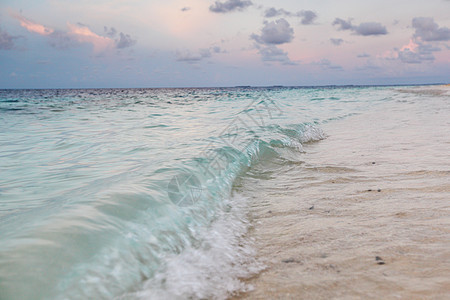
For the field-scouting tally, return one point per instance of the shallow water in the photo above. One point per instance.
(151, 193)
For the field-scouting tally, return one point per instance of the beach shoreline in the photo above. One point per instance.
(365, 213)
(339, 192)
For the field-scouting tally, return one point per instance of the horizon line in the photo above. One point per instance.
(235, 86)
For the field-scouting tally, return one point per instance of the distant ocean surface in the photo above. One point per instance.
(131, 193)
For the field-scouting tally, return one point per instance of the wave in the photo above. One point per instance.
(178, 233)
(206, 252)
(212, 267)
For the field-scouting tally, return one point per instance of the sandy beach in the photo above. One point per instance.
(372, 218)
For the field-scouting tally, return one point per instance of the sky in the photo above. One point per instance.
(213, 43)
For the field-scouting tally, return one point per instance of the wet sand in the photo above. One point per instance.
(364, 214)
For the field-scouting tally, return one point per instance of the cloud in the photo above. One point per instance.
(79, 34)
(217, 49)
(32, 26)
(83, 34)
(370, 28)
(275, 33)
(272, 53)
(417, 52)
(189, 57)
(363, 55)
(110, 32)
(364, 29)
(62, 40)
(229, 6)
(343, 25)
(326, 64)
(124, 41)
(273, 12)
(423, 43)
(185, 8)
(369, 67)
(409, 57)
(427, 30)
(307, 16)
(7, 40)
(336, 42)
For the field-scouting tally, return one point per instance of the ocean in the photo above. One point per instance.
(160, 193)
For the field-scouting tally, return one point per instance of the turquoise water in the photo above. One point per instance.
(128, 193)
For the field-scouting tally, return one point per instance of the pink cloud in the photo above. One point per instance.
(79, 33)
(412, 46)
(33, 26)
(83, 34)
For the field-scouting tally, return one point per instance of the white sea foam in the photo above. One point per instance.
(312, 134)
(211, 270)
(292, 143)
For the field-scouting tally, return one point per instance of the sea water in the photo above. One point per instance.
(137, 193)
